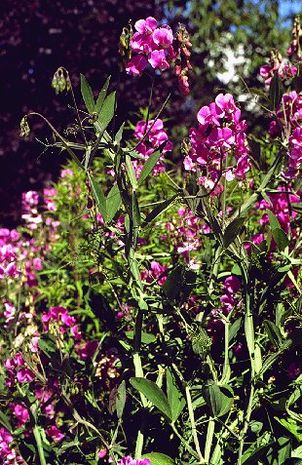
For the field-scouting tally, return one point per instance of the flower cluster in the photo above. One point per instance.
(184, 232)
(64, 322)
(150, 44)
(294, 50)
(156, 272)
(218, 139)
(18, 370)
(277, 65)
(229, 300)
(153, 44)
(8, 455)
(287, 123)
(152, 135)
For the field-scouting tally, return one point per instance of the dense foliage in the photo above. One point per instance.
(151, 311)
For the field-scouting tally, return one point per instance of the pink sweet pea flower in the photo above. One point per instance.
(146, 26)
(136, 65)
(163, 37)
(55, 434)
(157, 60)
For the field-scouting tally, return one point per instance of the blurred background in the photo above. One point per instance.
(231, 39)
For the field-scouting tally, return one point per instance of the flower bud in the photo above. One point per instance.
(60, 81)
(24, 127)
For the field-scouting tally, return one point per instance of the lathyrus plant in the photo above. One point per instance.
(183, 345)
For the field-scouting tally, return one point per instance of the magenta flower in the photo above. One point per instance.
(136, 65)
(20, 412)
(163, 37)
(130, 461)
(55, 434)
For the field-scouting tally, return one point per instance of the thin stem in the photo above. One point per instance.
(193, 425)
(184, 442)
(38, 439)
(209, 439)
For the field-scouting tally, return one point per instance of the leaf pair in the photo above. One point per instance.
(103, 107)
(170, 405)
(107, 206)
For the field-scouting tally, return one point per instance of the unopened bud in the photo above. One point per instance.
(24, 127)
(60, 81)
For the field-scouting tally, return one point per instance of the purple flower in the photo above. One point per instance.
(130, 461)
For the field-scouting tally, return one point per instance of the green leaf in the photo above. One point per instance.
(113, 203)
(175, 397)
(87, 95)
(279, 235)
(234, 329)
(274, 222)
(136, 216)
(231, 231)
(149, 165)
(156, 458)
(4, 421)
(218, 398)
(119, 134)
(120, 399)
(292, 427)
(252, 457)
(106, 113)
(159, 209)
(280, 238)
(179, 283)
(275, 91)
(153, 394)
(102, 95)
(47, 346)
(147, 338)
(273, 333)
(99, 196)
(131, 172)
(297, 453)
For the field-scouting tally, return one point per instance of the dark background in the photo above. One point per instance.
(38, 36)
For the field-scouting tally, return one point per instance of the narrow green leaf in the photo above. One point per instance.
(231, 231)
(119, 134)
(120, 399)
(280, 238)
(275, 91)
(87, 95)
(131, 172)
(253, 457)
(107, 112)
(153, 394)
(102, 95)
(274, 222)
(159, 209)
(99, 196)
(148, 166)
(136, 216)
(175, 397)
(113, 203)
(4, 421)
(156, 458)
(234, 329)
(273, 333)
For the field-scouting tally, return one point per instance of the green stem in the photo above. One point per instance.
(209, 440)
(246, 423)
(193, 425)
(139, 445)
(38, 439)
(184, 442)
